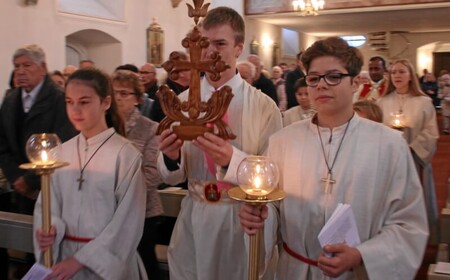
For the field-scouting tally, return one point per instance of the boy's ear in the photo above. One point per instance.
(107, 102)
(356, 81)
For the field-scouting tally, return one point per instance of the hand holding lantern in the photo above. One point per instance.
(258, 178)
(43, 151)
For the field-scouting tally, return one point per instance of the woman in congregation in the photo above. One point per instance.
(142, 131)
(405, 97)
(98, 200)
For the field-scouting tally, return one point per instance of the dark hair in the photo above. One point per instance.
(299, 55)
(224, 15)
(350, 57)
(131, 79)
(300, 83)
(383, 62)
(102, 85)
(129, 67)
(57, 73)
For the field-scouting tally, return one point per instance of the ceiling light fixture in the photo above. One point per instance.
(308, 7)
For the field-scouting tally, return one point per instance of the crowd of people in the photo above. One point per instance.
(326, 123)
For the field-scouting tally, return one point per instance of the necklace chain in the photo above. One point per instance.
(329, 179)
(401, 101)
(80, 179)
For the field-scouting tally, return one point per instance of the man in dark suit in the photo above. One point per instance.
(35, 106)
(261, 82)
(291, 78)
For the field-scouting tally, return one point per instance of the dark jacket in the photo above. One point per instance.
(266, 85)
(292, 77)
(48, 114)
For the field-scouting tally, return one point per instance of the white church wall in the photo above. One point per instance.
(42, 24)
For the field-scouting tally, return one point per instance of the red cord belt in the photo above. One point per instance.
(77, 238)
(298, 256)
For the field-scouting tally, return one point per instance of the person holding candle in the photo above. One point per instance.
(414, 110)
(207, 241)
(98, 200)
(339, 157)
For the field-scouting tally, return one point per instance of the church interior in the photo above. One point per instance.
(113, 33)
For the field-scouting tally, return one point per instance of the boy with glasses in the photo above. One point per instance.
(339, 157)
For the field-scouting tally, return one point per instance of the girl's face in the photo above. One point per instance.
(302, 97)
(85, 109)
(400, 77)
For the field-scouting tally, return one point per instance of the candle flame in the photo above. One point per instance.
(44, 156)
(257, 182)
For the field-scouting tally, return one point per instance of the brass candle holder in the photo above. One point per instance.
(257, 178)
(398, 120)
(43, 150)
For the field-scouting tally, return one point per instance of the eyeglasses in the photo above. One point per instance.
(123, 93)
(146, 72)
(332, 79)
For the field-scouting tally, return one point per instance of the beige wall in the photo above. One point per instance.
(44, 25)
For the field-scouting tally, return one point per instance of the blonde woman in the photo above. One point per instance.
(405, 96)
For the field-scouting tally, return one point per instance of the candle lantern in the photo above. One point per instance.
(43, 151)
(398, 120)
(258, 179)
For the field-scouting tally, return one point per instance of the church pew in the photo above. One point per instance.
(16, 231)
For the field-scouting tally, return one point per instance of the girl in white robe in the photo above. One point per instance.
(421, 133)
(98, 201)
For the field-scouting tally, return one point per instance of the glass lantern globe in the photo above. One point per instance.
(398, 120)
(257, 176)
(43, 149)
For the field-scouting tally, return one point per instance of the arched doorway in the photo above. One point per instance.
(96, 45)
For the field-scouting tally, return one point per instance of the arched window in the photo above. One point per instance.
(355, 40)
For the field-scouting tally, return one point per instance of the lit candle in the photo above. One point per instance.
(257, 188)
(44, 157)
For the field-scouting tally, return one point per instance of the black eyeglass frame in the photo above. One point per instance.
(324, 77)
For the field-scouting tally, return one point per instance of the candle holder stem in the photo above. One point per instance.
(45, 171)
(254, 255)
(46, 213)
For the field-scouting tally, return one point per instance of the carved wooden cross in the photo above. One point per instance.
(195, 125)
(214, 66)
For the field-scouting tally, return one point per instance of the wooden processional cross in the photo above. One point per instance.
(201, 116)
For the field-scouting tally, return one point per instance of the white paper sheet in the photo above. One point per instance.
(340, 228)
(37, 272)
